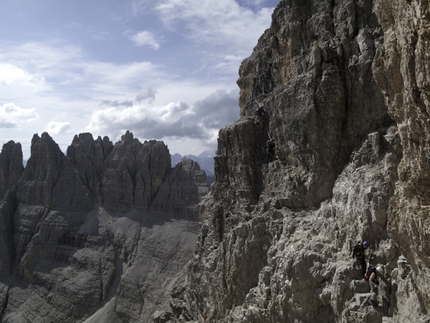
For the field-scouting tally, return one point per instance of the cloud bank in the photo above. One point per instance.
(216, 23)
(145, 38)
(174, 121)
(12, 116)
(163, 69)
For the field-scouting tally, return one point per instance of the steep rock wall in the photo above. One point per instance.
(345, 88)
(11, 167)
(98, 235)
(406, 89)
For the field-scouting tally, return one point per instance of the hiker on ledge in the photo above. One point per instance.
(376, 273)
(260, 112)
(359, 254)
(270, 148)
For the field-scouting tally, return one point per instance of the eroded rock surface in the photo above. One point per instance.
(346, 90)
(11, 167)
(99, 235)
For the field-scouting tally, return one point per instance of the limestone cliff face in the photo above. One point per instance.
(406, 90)
(11, 167)
(99, 235)
(124, 176)
(346, 88)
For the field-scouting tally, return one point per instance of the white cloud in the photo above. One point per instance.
(61, 64)
(117, 79)
(10, 74)
(173, 121)
(222, 22)
(37, 69)
(218, 109)
(12, 77)
(40, 56)
(5, 124)
(11, 115)
(140, 6)
(116, 103)
(145, 38)
(109, 87)
(146, 94)
(42, 71)
(58, 128)
(150, 122)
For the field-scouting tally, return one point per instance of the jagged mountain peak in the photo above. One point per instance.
(93, 226)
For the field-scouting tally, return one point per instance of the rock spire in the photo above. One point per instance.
(105, 229)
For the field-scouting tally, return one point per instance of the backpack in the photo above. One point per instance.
(369, 272)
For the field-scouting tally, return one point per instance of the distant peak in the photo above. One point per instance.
(206, 153)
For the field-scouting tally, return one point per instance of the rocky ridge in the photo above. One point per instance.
(346, 90)
(98, 235)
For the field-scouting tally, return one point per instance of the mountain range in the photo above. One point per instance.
(93, 231)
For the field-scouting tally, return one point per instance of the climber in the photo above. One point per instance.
(374, 283)
(270, 148)
(260, 111)
(358, 253)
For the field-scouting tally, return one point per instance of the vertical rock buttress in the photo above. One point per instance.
(345, 88)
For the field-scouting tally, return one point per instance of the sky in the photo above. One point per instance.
(162, 69)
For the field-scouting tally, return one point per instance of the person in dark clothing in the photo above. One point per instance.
(358, 253)
(270, 147)
(260, 111)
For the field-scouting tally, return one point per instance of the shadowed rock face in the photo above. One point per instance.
(50, 180)
(124, 176)
(105, 229)
(345, 88)
(10, 166)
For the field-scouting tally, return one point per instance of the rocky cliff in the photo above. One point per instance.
(346, 87)
(99, 235)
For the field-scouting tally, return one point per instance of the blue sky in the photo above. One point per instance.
(163, 69)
